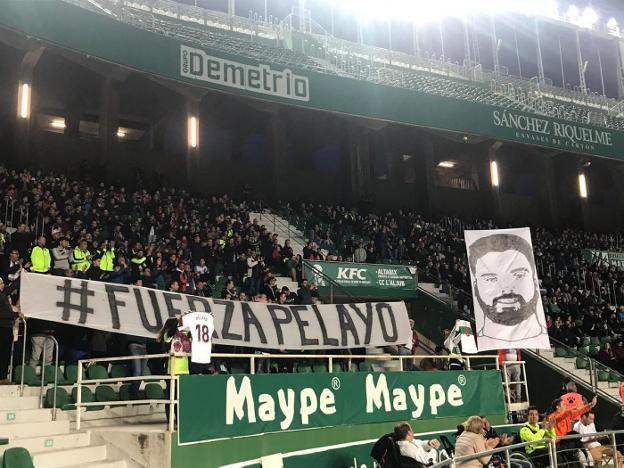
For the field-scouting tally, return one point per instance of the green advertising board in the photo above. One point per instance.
(99, 36)
(615, 259)
(362, 279)
(213, 407)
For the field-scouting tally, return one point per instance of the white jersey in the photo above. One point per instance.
(201, 327)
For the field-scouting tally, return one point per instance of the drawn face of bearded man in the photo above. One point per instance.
(505, 280)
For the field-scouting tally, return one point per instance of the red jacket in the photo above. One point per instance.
(503, 352)
(563, 418)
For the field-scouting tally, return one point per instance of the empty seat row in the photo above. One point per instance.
(70, 375)
(103, 394)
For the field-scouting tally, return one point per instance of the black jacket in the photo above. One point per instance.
(6, 311)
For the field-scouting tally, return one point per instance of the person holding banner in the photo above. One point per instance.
(179, 342)
(7, 317)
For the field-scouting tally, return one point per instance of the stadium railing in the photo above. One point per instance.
(558, 453)
(171, 399)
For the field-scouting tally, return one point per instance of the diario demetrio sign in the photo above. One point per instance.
(219, 406)
(198, 65)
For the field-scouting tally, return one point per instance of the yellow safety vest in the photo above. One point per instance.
(81, 260)
(40, 259)
(107, 261)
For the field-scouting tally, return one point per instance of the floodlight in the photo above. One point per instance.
(494, 173)
(193, 132)
(589, 18)
(57, 123)
(612, 23)
(582, 181)
(23, 98)
(446, 164)
(573, 12)
(121, 134)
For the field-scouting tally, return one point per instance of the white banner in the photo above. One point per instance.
(132, 310)
(505, 290)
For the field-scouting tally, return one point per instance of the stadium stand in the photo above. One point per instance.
(241, 248)
(326, 54)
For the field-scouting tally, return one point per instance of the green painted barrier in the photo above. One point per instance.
(213, 407)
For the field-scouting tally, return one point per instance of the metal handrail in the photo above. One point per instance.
(552, 454)
(23, 320)
(56, 367)
(172, 377)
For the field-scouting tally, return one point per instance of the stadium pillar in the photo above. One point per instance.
(430, 165)
(278, 132)
(540, 62)
(109, 115)
(359, 142)
(550, 194)
(580, 64)
(26, 99)
(495, 185)
(620, 68)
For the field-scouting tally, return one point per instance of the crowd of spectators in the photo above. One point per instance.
(167, 239)
(174, 240)
(581, 298)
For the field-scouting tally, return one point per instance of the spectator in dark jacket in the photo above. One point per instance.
(7, 317)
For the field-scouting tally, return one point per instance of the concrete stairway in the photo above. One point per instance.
(280, 226)
(52, 443)
(568, 365)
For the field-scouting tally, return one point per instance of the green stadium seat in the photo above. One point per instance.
(603, 375)
(320, 368)
(304, 369)
(48, 376)
(124, 392)
(594, 350)
(30, 375)
(337, 367)
(154, 391)
(97, 372)
(594, 341)
(365, 367)
(63, 401)
(603, 340)
(17, 457)
(71, 374)
(571, 353)
(105, 393)
(584, 350)
(582, 362)
(237, 370)
(87, 397)
(586, 341)
(119, 371)
(560, 352)
(354, 367)
(147, 371)
(614, 377)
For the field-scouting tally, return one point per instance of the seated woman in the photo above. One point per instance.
(472, 442)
